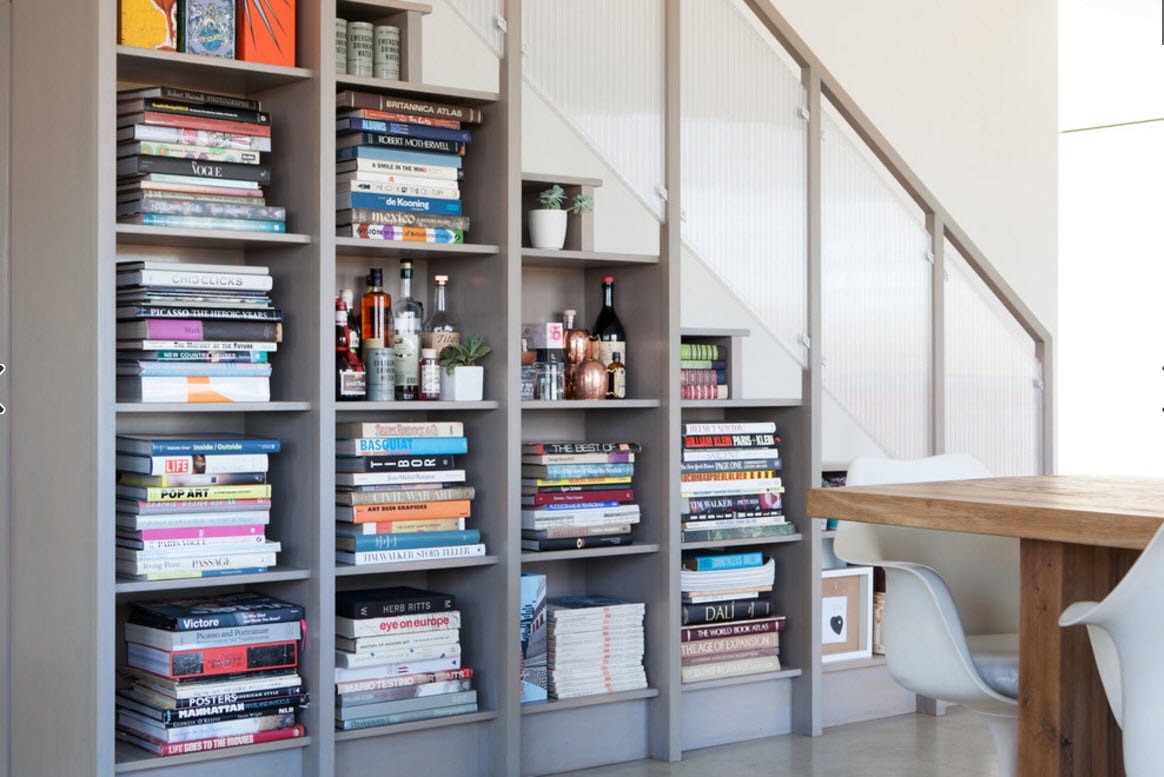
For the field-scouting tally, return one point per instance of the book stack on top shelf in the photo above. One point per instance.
(730, 486)
(189, 332)
(577, 495)
(192, 159)
(193, 506)
(206, 674)
(721, 583)
(401, 493)
(703, 371)
(595, 645)
(398, 658)
(399, 167)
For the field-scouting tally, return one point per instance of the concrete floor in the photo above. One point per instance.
(956, 744)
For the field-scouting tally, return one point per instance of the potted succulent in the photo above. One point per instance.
(462, 379)
(547, 224)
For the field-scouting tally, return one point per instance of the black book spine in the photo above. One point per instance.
(142, 163)
(727, 610)
(411, 143)
(583, 447)
(399, 463)
(371, 604)
(194, 619)
(577, 543)
(225, 314)
(272, 695)
(698, 441)
(730, 465)
(206, 111)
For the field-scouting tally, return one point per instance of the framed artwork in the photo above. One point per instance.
(846, 611)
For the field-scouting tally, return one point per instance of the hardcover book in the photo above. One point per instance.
(213, 612)
(210, 28)
(150, 25)
(391, 601)
(266, 32)
(533, 638)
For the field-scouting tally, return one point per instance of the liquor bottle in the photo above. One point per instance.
(576, 343)
(376, 339)
(406, 324)
(349, 377)
(441, 327)
(349, 298)
(607, 328)
(616, 377)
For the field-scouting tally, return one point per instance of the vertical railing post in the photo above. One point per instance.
(937, 229)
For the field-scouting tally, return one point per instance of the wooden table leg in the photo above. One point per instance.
(1065, 725)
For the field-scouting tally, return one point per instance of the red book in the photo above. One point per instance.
(213, 743)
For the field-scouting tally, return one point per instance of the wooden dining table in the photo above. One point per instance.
(1078, 536)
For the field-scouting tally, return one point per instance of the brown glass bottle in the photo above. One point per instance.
(376, 310)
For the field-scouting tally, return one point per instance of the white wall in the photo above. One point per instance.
(1111, 385)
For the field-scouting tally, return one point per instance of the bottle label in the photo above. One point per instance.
(438, 340)
(407, 347)
(616, 388)
(606, 351)
(430, 379)
(379, 364)
(351, 385)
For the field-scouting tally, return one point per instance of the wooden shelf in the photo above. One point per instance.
(544, 257)
(140, 234)
(551, 706)
(130, 758)
(148, 67)
(531, 557)
(355, 246)
(416, 725)
(349, 570)
(275, 575)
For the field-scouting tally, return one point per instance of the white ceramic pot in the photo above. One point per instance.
(547, 228)
(466, 384)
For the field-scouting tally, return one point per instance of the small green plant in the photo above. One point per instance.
(463, 354)
(554, 198)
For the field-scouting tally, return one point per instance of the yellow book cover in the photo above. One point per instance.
(149, 24)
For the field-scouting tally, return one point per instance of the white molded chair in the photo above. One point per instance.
(952, 601)
(1126, 631)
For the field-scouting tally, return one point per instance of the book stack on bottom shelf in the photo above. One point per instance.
(192, 160)
(729, 482)
(206, 674)
(577, 495)
(717, 586)
(189, 332)
(398, 658)
(595, 645)
(401, 493)
(193, 506)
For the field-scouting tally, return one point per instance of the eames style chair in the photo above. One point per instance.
(952, 601)
(1126, 630)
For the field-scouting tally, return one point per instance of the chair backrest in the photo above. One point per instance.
(982, 572)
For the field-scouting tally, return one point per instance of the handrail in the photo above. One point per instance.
(938, 220)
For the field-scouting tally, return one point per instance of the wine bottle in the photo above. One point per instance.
(349, 377)
(406, 324)
(441, 327)
(607, 327)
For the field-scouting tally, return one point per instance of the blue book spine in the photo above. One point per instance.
(419, 539)
(400, 446)
(209, 222)
(404, 717)
(398, 155)
(202, 368)
(344, 200)
(728, 561)
(403, 128)
(557, 471)
(195, 445)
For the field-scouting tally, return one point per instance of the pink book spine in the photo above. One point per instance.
(173, 329)
(198, 532)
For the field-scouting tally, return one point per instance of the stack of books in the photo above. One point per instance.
(193, 505)
(577, 495)
(399, 167)
(190, 332)
(724, 583)
(702, 372)
(210, 673)
(192, 159)
(398, 658)
(401, 493)
(730, 484)
(595, 645)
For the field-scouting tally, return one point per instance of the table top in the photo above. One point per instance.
(1118, 512)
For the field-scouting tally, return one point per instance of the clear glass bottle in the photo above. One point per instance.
(616, 377)
(354, 324)
(407, 318)
(349, 376)
(607, 327)
(441, 328)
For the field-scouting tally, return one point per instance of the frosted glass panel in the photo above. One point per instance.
(600, 65)
(876, 302)
(482, 16)
(743, 171)
(993, 403)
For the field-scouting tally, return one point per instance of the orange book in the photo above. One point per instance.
(266, 31)
(453, 508)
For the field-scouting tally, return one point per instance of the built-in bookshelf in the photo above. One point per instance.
(63, 698)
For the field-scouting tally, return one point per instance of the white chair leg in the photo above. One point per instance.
(1004, 730)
